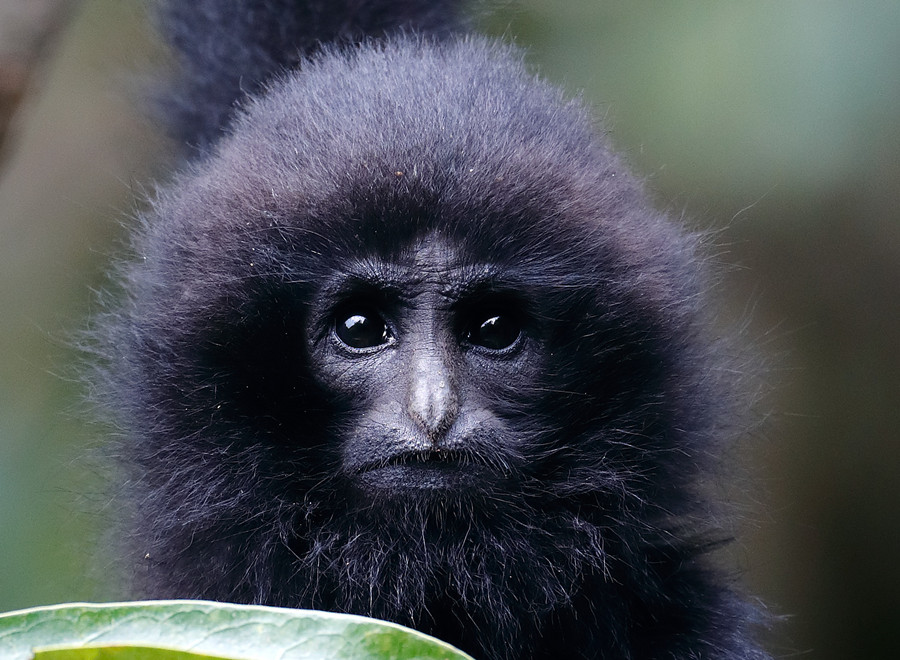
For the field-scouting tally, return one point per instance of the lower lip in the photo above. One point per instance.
(421, 476)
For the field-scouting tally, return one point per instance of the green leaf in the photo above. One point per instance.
(244, 632)
(120, 653)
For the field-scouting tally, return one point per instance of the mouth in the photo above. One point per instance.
(427, 470)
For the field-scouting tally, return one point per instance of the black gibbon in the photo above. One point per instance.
(404, 338)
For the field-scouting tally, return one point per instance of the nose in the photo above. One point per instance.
(432, 404)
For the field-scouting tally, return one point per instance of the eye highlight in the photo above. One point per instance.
(494, 332)
(361, 329)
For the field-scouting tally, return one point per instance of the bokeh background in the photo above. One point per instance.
(775, 123)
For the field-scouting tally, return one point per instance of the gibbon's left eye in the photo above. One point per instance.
(361, 328)
(494, 332)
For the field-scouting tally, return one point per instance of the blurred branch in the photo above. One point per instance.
(26, 29)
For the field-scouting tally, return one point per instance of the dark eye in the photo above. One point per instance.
(361, 328)
(494, 332)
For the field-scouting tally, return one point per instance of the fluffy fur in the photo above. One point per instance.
(593, 541)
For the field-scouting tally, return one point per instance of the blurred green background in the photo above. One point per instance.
(776, 122)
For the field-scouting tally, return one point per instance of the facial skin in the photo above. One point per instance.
(416, 349)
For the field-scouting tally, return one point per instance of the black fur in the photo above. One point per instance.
(591, 538)
(228, 50)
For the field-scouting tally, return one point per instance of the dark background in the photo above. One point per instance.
(777, 123)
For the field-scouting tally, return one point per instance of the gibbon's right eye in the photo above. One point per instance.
(361, 329)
